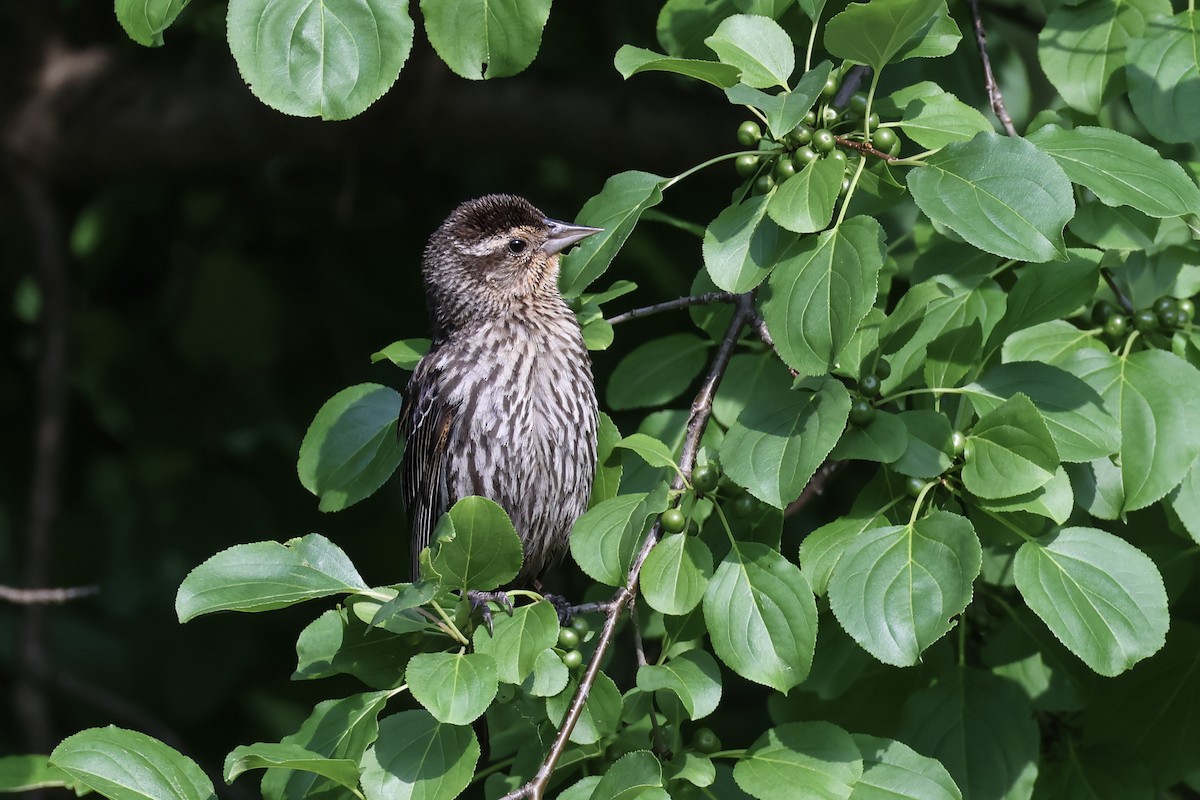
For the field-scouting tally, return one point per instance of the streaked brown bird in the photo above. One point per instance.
(503, 405)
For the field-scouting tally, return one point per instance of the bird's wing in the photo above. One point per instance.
(425, 423)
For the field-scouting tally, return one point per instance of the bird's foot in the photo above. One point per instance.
(562, 607)
(479, 601)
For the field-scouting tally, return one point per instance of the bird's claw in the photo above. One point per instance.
(479, 601)
(562, 607)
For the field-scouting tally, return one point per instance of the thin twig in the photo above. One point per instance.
(1126, 305)
(865, 149)
(670, 305)
(27, 597)
(993, 89)
(697, 422)
(760, 327)
(815, 486)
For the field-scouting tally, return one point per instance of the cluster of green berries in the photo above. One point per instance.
(814, 138)
(569, 639)
(705, 480)
(1166, 315)
(862, 407)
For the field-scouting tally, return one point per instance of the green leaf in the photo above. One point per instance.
(405, 353)
(1046, 292)
(676, 573)
(1010, 451)
(800, 759)
(740, 245)
(999, 193)
(785, 110)
(1185, 501)
(616, 209)
(331, 59)
(292, 757)
(145, 20)
(1151, 395)
(267, 575)
(927, 453)
(456, 688)
(820, 291)
(761, 616)
(1054, 499)
(475, 546)
(29, 772)
(981, 728)
(1082, 48)
(605, 539)
(1164, 76)
(883, 439)
(550, 675)
(780, 440)
(608, 466)
(336, 729)
(419, 758)
(758, 47)
(748, 376)
(872, 33)
(653, 451)
(351, 448)
(937, 121)
(804, 202)
(128, 765)
(1051, 342)
(657, 372)
(1101, 596)
(517, 639)
(892, 769)
(1074, 413)
(823, 548)
(631, 60)
(485, 38)
(953, 355)
(601, 710)
(1120, 170)
(938, 37)
(339, 642)
(632, 775)
(897, 589)
(1108, 228)
(693, 676)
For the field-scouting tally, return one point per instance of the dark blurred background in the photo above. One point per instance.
(187, 275)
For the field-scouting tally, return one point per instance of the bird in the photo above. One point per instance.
(503, 404)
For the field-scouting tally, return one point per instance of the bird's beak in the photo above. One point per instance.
(562, 235)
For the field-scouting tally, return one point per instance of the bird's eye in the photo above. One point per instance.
(516, 246)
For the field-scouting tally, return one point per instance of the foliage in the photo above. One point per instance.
(996, 331)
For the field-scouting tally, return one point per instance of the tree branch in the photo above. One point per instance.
(815, 486)
(865, 148)
(26, 597)
(993, 89)
(760, 327)
(670, 305)
(1126, 305)
(697, 421)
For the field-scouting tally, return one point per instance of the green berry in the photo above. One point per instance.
(705, 478)
(1166, 309)
(885, 139)
(1164, 304)
(810, 118)
(914, 486)
(673, 521)
(800, 135)
(868, 386)
(839, 155)
(1103, 311)
(1187, 310)
(568, 639)
(1116, 326)
(763, 184)
(743, 506)
(861, 412)
(1145, 320)
(830, 88)
(784, 169)
(845, 187)
(581, 626)
(857, 105)
(706, 741)
(883, 369)
(873, 121)
(746, 165)
(958, 443)
(823, 141)
(572, 659)
(749, 133)
(829, 115)
(804, 156)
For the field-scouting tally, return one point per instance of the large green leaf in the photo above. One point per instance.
(1120, 170)
(693, 676)
(485, 38)
(781, 439)
(981, 728)
(329, 59)
(820, 291)
(293, 758)
(761, 616)
(616, 209)
(1101, 596)
(800, 759)
(871, 33)
(893, 770)
(339, 642)
(804, 202)
(941, 119)
(657, 372)
(1164, 76)
(757, 46)
(475, 546)
(419, 758)
(741, 244)
(785, 110)
(1046, 292)
(145, 20)
(999, 193)
(516, 640)
(128, 765)
(605, 538)
(1009, 451)
(1082, 47)
(676, 573)
(823, 548)
(897, 589)
(456, 688)
(351, 447)
(267, 575)
(631, 60)
(633, 775)
(1151, 394)
(601, 711)
(27, 773)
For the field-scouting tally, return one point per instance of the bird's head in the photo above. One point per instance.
(493, 253)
